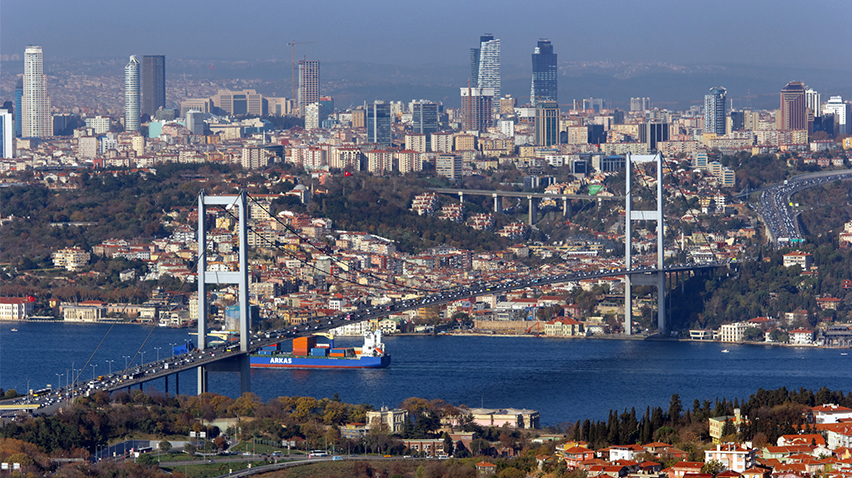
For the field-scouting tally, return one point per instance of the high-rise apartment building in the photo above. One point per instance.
(714, 110)
(195, 122)
(309, 83)
(488, 71)
(793, 107)
(546, 123)
(652, 132)
(640, 104)
(379, 123)
(544, 73)
(7, 135)
(812, 100)
(19, 108)
(841, 111)
(153, 84)
(477, 108)
(424, 118)
(36, 121)
(131, 95)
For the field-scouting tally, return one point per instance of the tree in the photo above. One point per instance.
(753, 334)
(165, 446)
(713, 467)
(190, 449)
(675, 408)
(448, 444)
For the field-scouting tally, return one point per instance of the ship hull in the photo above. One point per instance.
(289, 361)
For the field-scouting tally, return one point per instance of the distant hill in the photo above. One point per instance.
(351, 83)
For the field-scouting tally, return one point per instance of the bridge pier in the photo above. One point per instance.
(651, 215)
(532, 210)
(202, 379)
(461, 197)
(566, 208)
(177, 384)
(496, 200)
(245, 374)
(166, 380)
(239, 278)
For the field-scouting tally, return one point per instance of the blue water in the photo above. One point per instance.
(565, 380)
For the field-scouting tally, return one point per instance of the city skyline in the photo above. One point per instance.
(751, 31)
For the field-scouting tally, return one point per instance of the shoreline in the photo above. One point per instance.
(480, 334)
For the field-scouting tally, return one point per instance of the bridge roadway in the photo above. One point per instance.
(220, 354)
(520, 194)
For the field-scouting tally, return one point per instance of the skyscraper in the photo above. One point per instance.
(35, 103)
(714, 110)
(546, 123)
(842, 114)
(19, 108)
(793, 109)
(7, 134)
(309, 83)
(477, 109)
(379, 123)
(131, 95)
(488, 72)
(424, 119)
(153, 83)
(544, 73)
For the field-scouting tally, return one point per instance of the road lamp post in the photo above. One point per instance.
(172, 345)
(125, 361)
(110, 365)
(158, 353)
(59, 379)
(94, 366)
(143, 357)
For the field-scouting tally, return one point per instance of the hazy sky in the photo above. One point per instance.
(767, 32)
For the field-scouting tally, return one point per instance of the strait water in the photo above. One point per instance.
(564, 379)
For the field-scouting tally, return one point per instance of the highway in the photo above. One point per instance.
(51, 400)
(773, 205)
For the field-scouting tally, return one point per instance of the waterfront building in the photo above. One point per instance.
(793, 114)
(36, 121)
(131, 95)
(309, 83)
(544, 73)
(16, 308)
(714, 110)
(153, 84)
(393, 420)
(733, 332)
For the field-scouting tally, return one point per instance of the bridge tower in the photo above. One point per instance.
(239, 277)
(658, 278)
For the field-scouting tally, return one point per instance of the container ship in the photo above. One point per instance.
(318, 351)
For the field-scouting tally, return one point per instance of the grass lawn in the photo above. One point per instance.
(208, 470)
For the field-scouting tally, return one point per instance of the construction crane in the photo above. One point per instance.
(292, 46)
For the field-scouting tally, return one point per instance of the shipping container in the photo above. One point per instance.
(319, 352)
